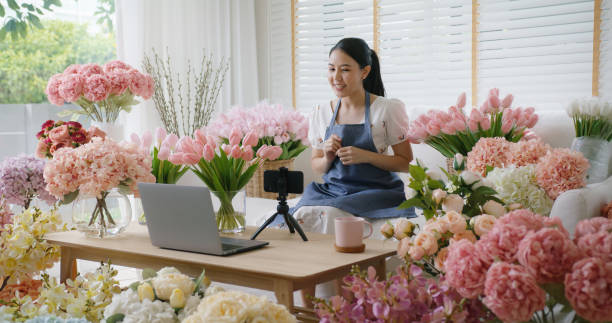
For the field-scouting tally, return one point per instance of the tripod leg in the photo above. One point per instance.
(289, 223)
(263, 226)
(295, 224)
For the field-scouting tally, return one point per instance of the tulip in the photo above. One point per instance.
(191, 159)
(494, 92)
(235, 137)
(145, 291)
(209, 152)
(200, 137)
(433, 129)
(177, 298)
(250, 139)
(226, 149)
(135, 139)
(160, 135)
(484, 108)
(532, 121)
(438, 195)
(176, 159)
(210, 140)
(147, 140)
(247, 153)
(170, 141)
(485, 124)
(461, 100)
(494, 102)
(235, 152)
(507, 101)
(163, 153)
(507, 126)
(387, 230)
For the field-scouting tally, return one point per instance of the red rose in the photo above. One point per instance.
(74, 124)
(79, 137)
(40, 134)
(47, 124)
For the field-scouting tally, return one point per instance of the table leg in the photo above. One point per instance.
(306, 292)
(283, 289)
(66, 264)
(75, 269)
(381, 268)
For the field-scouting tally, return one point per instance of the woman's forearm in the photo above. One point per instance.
(392, 163)
(320, 164)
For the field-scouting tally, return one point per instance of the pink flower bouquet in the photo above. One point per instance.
(101, 91)
(456, 132)
(58, 134)
(526, 256)
(164, 145)
(274, 125)
(224, 168)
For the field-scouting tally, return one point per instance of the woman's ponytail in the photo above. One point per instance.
(359, 50)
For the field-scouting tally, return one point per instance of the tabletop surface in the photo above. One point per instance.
(287, 256)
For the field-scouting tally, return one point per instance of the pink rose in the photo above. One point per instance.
(589, 289)
(438, 195)
(592, 225)
(403, 247)
(60, 133)
(71, 87)
(403, 228)
(456, 222)
(453, 202)
(465, 235)
(494, 208)
(483, 224)
(597, 244)
(96, 88)
(465, 269)
(512, 293)
(95, 132)
(441, 259)
(436, 226)
(548, 255)
(387, 230)
(415, 252)
(427, 241)
(42, 149)
(55, 147)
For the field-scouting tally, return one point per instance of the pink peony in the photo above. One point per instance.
(597, 244)
(52, 89)
(548, 255)
(589, 289)
(42, 149)
(95, 132)
(501, 242)
(465, 269)
(97, 87)
(561, 170)
(592, 225)
(71, 88)
(488, 152)
(512, 293)
(522, 217)
(527, 152)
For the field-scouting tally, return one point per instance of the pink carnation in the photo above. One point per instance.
(561, 170)
(71, 88)
(597, 244)
(73, 69)
(97, 87)
(90, 69)
(116, 66)
(52, 89)
(488, 152)
(592, 225)
(527, 152)
(589, 289)
(512, 293)
(465, 269)
(548, 255)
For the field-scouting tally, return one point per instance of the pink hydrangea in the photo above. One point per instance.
(589, 289)
(592, 225)
(597, 244)
(548, 255)
(97, 87)
(527, 152)
(561, 170)
(465, 269)
(488, 152)
(71, 88)
(52, 89)
(512, 293)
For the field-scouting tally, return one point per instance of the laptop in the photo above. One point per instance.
(182, 218)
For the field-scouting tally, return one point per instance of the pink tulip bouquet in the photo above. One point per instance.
(101, 91)
(225, 168)
(527, 267)
(164, 171)
(58, 134)
(456, 131)
(274, 125)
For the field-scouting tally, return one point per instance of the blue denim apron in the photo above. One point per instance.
(362, 189)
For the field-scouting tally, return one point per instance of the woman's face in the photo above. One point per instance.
(344, 74)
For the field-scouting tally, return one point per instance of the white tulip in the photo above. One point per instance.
(470, 177)
(573, 108)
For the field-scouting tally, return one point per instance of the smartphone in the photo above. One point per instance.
(294, 181)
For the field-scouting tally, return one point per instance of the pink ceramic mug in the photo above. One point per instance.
(349, 231)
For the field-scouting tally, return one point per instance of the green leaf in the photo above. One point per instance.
(2, 12)
(428, 214)
(2, 34)
(22, 28)
(115, 318)
(199, 281)
(35, 21)
(415, 201)
(13, 4)
(435, 184)
(134, 286)
(68, 198)
(488, 168)
(417, 173)
(148, 273)
(557, 291)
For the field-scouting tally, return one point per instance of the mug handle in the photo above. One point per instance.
(371, 229)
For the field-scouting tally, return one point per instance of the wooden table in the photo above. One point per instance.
(286, 265)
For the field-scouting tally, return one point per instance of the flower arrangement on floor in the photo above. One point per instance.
(405, 296)
(93, 170)
(24, 250)
(58, 134)
(274, 125)
(163, 296)
(101, 91)
(224, 168)
(81, 300)
(454, 132)
(21, 181)
(525, 256)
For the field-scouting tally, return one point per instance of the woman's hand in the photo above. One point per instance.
(352, 155)
(331, 146)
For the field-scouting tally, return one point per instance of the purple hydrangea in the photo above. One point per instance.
(21, 180)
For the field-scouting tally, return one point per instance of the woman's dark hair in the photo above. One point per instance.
(359, 50)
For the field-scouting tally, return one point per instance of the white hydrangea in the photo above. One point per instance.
(518, 185)
(128, 304)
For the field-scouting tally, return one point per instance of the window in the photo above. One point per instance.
(605, 56)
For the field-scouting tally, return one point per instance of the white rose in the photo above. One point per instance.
(410, 193)
(167, 270)
(438, 195)
(164, 285)
(434, 175)
(482, 224)
(494, 208)
(453, 202)
(470, 177)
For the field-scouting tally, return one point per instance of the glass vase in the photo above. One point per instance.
(113, 130)
(229, 208)
(597, 151)
(104, 216)
(138, 210)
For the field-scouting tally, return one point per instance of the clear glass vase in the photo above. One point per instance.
(104, 216)
(230, 210)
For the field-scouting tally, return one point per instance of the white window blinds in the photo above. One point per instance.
(540, 51)
(280, 52)
(605, 51)
(320, 24)
(425, 50)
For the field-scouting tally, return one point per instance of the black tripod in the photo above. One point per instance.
(282, 209)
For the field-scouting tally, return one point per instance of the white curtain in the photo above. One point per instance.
(183, 29)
